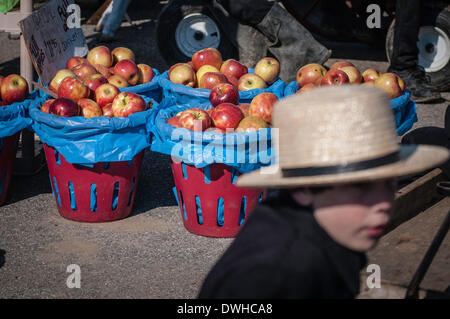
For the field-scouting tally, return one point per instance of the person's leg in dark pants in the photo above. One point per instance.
(404, 60)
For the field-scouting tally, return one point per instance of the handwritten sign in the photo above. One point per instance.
(51, 38)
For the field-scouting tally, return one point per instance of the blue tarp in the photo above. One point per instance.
(87, 141)
(191, 96)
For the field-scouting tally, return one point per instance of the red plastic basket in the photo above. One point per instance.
(102, 193)
(7, 157)
(210, 203)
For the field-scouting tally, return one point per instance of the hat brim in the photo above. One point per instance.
(413, 159)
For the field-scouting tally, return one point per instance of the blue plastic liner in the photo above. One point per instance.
(88, 141)
(403, 107)
(14, 117)
(245, 151)
(151, 89)
(190, 96)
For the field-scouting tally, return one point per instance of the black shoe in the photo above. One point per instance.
(418, 83)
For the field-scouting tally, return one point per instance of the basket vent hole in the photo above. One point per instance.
(220, 217)
(93, 198)
(198, 207)
(115, 197)
(243, 209)
(56, 190)
(131, 191)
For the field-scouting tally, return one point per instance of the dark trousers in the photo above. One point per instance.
(405, 51)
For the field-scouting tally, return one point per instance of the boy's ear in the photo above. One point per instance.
(303, 196)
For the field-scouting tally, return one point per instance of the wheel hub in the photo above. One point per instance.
(434, 48)
(195, 32)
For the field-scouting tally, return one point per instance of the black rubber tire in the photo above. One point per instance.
(167, 22)
(439, 17)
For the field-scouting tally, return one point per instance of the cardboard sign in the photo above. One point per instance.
(51, 38)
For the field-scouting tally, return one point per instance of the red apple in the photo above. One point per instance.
(307, 87)
(64, 107)
(211, 79)
(208, 56)
(354, 76)
(46, 106)
(89, 108)
(146, 73)
(233, 68)
(107, 110)
(268, 69)
(103, 70)
(251, 81)
(128, 70)
(73, 88)
(100, 55)
(334, 77)
(392, 84)
(310, 73)
(105, 94)
(251, 123)
(94, 81)
(262, 106)
(195, 119)
(226, 115)
(122, 53)
(14, 88)
(209, 111)
(127, 103)
(371, 75)
(340, 64)
(118, 81)
(244, 107)
(224, 93)
(183, 74)
(204, 69)
(174, 121)
(59, 76)
(74, 61)
(84, 70)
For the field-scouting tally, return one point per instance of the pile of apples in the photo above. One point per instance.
(90, 86)
(226, 115)
(344, 72)
(207, 69)
(13, 88)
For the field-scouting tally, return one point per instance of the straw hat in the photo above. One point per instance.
(338, 135)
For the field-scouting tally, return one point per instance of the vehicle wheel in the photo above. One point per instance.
(184, 27)
(434, 46)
